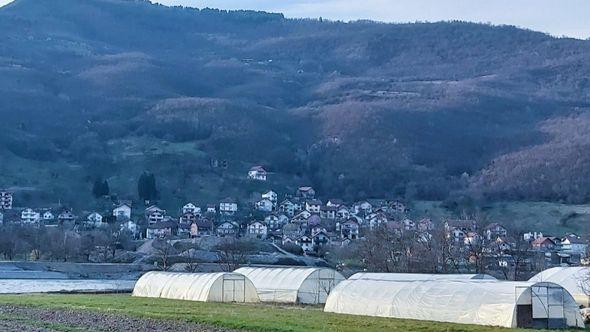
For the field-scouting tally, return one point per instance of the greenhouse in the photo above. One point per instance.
(419, 276)
(203, 287)
(292, 285)
(494, 303)
(575, 279)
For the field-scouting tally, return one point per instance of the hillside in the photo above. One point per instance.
(110, 88)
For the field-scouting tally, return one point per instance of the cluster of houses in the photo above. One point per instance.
(303, 220)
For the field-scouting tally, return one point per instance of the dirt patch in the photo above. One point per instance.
(25, 319)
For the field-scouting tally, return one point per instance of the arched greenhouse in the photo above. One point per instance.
(203, 287)
(292, 285)
(494, 303)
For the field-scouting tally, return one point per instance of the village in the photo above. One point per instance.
(302, 224)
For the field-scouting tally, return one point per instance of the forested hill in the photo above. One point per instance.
(109, 88)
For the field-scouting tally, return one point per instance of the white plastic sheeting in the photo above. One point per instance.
(419, 276)
(292, 285)
(457, 301)
(204, 287)
(575, 279)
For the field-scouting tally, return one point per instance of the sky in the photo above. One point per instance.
(557, 17)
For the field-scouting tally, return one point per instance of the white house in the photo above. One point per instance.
(94, 219)
(122, 212)
(287, 207)
(228, 206)
(305, 242)
(257, 173)
(363, 207)
(271, 196)
(130, 226)
(48, 216)
(160, 230)
(306, 192)
(349, 230)
(1, 217)
(154, 214)
(264, 205)
(313, 206)
(28, 216)
(191, 208)
(5, 200)
(228, 229)
(211, 209)
(334, 202)
(258, 230)
(343, 213)
(575, 245)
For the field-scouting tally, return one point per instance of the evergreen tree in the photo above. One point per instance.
(97, 188)
(106, 190)
(100, 188)
(146, 187)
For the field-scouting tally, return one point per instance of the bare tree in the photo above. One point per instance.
(164, 253)
(381, 251)
(233, 253)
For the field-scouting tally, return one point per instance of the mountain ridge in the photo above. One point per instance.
(89, 85)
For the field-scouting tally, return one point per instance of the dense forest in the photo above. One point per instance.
(110, 89)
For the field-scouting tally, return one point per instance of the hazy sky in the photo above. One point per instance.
(558, 17)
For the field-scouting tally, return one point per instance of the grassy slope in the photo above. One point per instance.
(248, 317)
(531, 216)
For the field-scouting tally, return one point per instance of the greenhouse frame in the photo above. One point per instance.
(305, 285)
(203, 287)
(575, 279)
(493, 303)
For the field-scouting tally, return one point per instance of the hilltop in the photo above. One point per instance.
(110, 88)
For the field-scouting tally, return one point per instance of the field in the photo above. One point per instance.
(199, 316)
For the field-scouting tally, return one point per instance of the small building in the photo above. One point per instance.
(154, 214)
(202, 227)
(66, 216)
(328, 212)
(287, 207)
(313, 206)
(349, 230)
(94, 219)
(334, 202)
(191, 208)
(494, 230)
(48, 216)
(305, 242)
(161, 229)
(211, 209)
(228, 228)
(264, 205)
(228, 206)
(258, 230)
(131, 227)
(6, 200)
(257, 173)
(122, 211)
(306, 192)
(543, 244)
(29, 216)
(271, 196)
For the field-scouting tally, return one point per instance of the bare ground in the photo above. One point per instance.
(25, 319)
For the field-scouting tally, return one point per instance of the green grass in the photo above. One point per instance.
(238, 316)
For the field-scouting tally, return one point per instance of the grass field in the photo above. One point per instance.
(236, 316)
